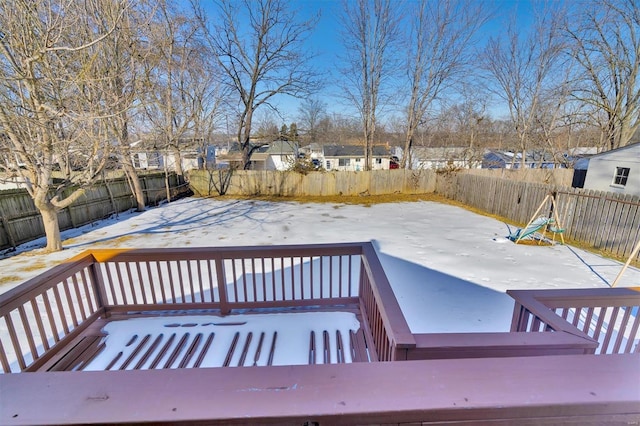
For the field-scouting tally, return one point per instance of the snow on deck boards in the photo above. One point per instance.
(192, 341)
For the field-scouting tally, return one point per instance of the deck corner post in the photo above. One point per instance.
(98, 285)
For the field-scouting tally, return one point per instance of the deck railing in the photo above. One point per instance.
(50, 310)
(608, 316)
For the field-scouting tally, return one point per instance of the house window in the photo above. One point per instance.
(621, 176)
(343, 162)
(378, 160)
(328, 165)
(358, 160)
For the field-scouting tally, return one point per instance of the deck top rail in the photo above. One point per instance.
(608, 316)
(547, 390)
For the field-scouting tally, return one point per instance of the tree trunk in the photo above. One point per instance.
(177, 158)
(138, 193)
(51, 226)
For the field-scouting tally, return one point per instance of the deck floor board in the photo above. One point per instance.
(184, 346)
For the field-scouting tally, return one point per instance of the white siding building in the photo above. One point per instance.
(617, 170)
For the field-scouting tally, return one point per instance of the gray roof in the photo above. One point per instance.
(354, 151)
(282, 147)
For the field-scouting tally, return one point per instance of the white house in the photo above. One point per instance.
(443, 157)
(278, 155)
(351, 157)
(617, 170)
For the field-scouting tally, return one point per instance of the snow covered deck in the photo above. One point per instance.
(171, 308)
(167, 314)
(280, 337)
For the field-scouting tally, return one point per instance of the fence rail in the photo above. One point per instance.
(21, 222)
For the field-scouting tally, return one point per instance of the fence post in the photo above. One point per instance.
(5, 225)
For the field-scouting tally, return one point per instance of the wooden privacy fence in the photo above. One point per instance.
(20, 221)
(603, 220)
(293, 184)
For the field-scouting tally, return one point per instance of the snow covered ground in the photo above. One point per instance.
(449, 268)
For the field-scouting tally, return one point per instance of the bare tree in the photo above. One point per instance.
(371, 31)
(521, 69)
(310, 113)
(175, 74)
(45, 65)
(259, 48)
(440, 42)
(118, 63)
(606, 37)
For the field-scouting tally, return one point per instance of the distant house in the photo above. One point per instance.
(534, 159)
(500, 160)
(194, 154)
(351, 157)
(312, 151)
(442, 157)
(617, 170)
(277, 155)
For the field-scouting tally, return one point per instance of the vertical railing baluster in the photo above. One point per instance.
(27, 331)
(62, 315)
(52, 321)
(633, 334)
(244, 280)
(163, 290)
(172, 285)
(610, 330)
(293, 279)
(4, 362)
(264, 280)
(201, 279)
(38, 317)
(273, 277)
(14, 341)
(222, 285)
(69, 304)
(301, 278)
(331, 276)
(192, 289)
(86, 280)
(253, 276)
(143, 284)
(123, 291)
(78, 301)
(623, 327)
(340, 276)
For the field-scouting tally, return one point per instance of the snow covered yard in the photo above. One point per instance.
(449, 268)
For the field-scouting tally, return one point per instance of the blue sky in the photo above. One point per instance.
(326, 42)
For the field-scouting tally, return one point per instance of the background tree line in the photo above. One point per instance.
(83, 83)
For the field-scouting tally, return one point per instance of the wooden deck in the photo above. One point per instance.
(58, 329)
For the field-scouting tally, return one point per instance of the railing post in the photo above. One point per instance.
(222, 289)
(517, 317)
(97, 282)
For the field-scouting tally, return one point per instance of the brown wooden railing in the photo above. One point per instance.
(50, 310)
(47, 311)
(607, 316)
